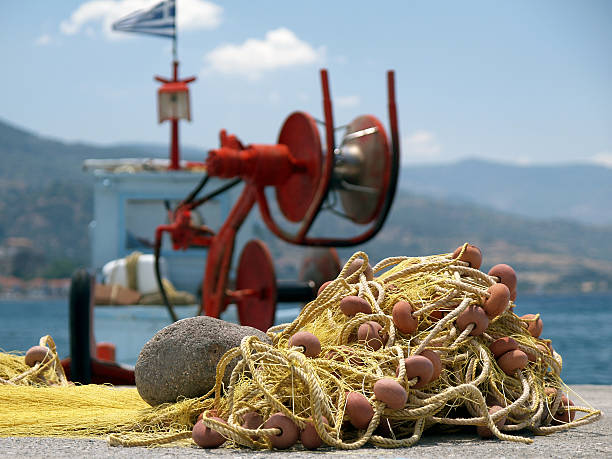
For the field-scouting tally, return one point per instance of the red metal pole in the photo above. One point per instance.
(220, 252)
(174, 145)
(174, 134)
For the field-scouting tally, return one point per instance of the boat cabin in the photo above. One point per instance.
(130, 198)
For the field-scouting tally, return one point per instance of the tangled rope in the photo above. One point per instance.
(428, 341)
(320, 371)
(41, 367)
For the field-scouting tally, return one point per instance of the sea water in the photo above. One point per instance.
(580, 327)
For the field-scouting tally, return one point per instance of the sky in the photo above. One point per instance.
(523, 82)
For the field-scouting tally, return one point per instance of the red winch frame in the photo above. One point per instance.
(294, 167)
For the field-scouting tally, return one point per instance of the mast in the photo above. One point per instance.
(173, 97)
(174, 57)
(174, 134)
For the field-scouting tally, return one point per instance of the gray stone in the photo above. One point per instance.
(181, 359)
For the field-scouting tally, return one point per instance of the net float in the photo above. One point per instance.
(309, 342)
(289, 431)
(550, 391)
(484, 431)
(551, 351)
(309, 435)
(322, 287)
(211, 413)
(390, 392)
(513, 295)
(564, 415)
(472, 255)
(505, 274)
(502, 345)
(356, 266)
(419, 367)
(534, 324)
(512, 361)
(351, 305)
(359, 410)
(37, 354)
(205, 437)
(533, 356)
(252, 420)
(403, 319)
(434, 358)
(567, 415)
(498, 300)
(473, 314)
(436, 315)
(370, 334)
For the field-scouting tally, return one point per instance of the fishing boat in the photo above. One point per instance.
(189, 216)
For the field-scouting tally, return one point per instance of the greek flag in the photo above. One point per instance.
(158, 20)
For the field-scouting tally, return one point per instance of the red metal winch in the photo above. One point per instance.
(362, 170)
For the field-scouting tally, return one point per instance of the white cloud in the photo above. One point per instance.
(420, 146)
(198, 14)
(191, 15)
(603, 159)
(280, 48)
(347, 101)
(43, 40)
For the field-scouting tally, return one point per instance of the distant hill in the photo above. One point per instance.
(45, 197)
(579, 192)
(549, 255)
(34, 161)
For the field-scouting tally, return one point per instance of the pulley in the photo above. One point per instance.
(362, 169)
(301, 135)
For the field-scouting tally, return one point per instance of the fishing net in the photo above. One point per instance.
(353, 380)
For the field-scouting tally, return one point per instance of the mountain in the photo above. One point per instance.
(548, 255)
(45, 196)
(580, 192)
(35, 161)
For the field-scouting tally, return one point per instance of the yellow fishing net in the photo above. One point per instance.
(313, 391)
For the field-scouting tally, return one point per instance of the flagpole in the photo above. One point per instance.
(174, 127)
(142, 21)
(174, 57)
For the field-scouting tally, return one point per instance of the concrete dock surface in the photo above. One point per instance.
(592, 440)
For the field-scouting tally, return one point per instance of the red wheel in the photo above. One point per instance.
(301, 135)
(256, 272)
